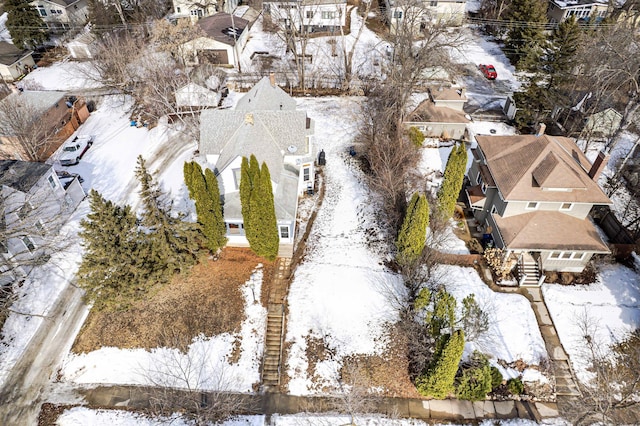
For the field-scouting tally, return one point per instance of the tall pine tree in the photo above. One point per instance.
(413, 233)
(452, 182)
(24, 23)
(560, 52)
(258, 209)
(173, 244)
(204, 190)
(525, 39)
(114, 270)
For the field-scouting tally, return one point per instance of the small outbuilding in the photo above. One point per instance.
(83, 46)
(14, 62)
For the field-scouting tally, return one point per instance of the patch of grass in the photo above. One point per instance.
(207, 301)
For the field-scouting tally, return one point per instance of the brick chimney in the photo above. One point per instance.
(541, 128)
(598, 165)
(272, 79)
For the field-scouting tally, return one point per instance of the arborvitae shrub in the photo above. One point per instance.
(475, 383)
(496, 377)
(413, 232)
(438, 381)
(416, 136)
(515, 386)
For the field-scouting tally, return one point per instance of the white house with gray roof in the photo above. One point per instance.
(267, 124)
(35, 202)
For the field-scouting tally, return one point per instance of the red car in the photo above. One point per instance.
(488, 71)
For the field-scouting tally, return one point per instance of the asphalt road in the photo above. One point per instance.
(21, 396)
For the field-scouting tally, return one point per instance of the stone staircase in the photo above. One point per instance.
(528, 271)
(276, 317)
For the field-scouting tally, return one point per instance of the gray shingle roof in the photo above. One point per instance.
(264, 96)
(21, 175)
(9, 54)
(38, 102)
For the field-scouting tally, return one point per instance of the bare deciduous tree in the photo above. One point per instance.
(27, 136)
(611, 394)
(190, 380)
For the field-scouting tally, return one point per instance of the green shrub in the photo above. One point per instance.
(438, 380)
(515, 386)
(413, 232)
(496, 377)
(475, 383)
(416, 136)
(452, 182)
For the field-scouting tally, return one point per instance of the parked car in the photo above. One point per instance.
(488, 71)
(73, 151)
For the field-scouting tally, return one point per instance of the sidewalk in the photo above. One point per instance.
(137, 397)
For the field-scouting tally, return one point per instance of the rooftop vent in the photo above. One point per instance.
(292, 149)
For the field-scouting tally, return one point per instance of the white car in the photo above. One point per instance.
(73, 150)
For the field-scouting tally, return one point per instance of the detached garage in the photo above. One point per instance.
(226, 37)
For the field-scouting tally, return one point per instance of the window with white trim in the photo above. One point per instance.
(40, 227)
(236, 177)
(284, 231)
(555, 255)
(309, 14)
(28, 243)
(494, 210)
(566, 206)
(328, 14)
(52, 181)
(42, 11)
(532, 205)
(397, 14)
(306, 174)
(578, 255)
(566, 255)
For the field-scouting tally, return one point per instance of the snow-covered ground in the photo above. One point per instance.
(84, 416)
(341, 291)
(607, 310)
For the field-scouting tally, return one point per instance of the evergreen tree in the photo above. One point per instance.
(560, 52)
(438, 381)
(204, 190)
(413, 232)
(24, 23)
(172, 242)
(452, 182)
(113, 271)
(525, 38)
(258, 209)
(534, 104)
(475, 383)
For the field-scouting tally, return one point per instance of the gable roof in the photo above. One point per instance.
(428, 112)
(220, 27)
(266, 96)
(447, 94)
(266, 134)
(540, 168)
(21, 175)
(10, 54)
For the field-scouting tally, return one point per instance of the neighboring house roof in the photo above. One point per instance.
(63, 3)
(427, 112)
(448, 94)
(220, 27)
(195, 95)
(266, 95)
(21, 175)
(85, 38)
(10, 54)
(540, 168)
(549, 230)
(35, 103)
(578, 3)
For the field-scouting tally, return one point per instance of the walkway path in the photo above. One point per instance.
(136, 397)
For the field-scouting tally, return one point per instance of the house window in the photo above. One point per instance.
(236, 177)
(306, 174)
(555, 255)
(433, 3)
(52, 181)
(40, 227)
(309, 14)
(578, 256)
(197, 12)
(566, 255)
(494, 210)
(284, 232)
(397, 14)
(566, 206)
(42, 11)
(532, 205)
(328, 15)
(235, 228)
(28, 243)
(4, 249)
(178, 9)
